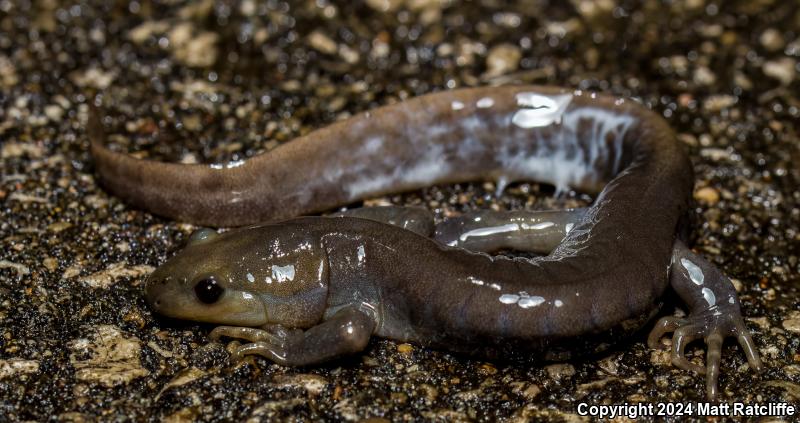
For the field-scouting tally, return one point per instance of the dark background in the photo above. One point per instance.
(216, 81)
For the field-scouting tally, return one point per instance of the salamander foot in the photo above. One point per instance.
(713, 329)
(715, 314)
(346, 332)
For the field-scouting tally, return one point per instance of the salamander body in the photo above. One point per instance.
(309, 289)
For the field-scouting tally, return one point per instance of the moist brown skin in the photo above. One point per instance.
(318, 287)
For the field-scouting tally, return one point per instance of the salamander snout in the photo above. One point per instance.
(166, 293)
(153, 289)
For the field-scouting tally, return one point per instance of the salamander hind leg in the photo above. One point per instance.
(714, 314)
(346, 332)
(520, 230)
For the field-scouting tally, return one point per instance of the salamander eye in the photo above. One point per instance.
(208, 290)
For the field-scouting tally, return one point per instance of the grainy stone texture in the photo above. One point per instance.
(216, 81)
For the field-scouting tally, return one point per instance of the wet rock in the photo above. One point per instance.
(269, 409)
(194, 48)
(108, 358)
(54, 112)
(772, 40)
(707, 195)
(593, 9)
(167, 99)
(58, 227)
(792, 389)
(526, 390)
(792, 323)
(716, 154)
(184, 415)
(248, 7)
(93, 77)
(96, 201)
(347, 409)
(144, 31)
(502, 59)
(16, 367)
(793, 48)
(405, 348)
(322, 43)
(385, 5)
(21, 269)
(704, 76)
(183, 377)
(560, 371)
(26, 198)
(782, 69)
(107, 277)
(716, 103)
(348, 54)
(8, 72)
(19, 149)
(312, 384)
(742, 81)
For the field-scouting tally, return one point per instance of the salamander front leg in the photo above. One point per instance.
(714, 314)
(344, 333)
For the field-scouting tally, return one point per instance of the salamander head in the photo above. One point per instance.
(246, 277)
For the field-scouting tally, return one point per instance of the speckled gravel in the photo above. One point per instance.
(212, 81)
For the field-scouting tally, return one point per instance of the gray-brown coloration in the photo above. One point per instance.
(346, 278)
(447, 137)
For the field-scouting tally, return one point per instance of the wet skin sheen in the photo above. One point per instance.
(311, 289)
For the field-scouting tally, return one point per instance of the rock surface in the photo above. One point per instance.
(224, 81)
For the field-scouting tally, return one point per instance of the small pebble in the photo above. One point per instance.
(405, 348)
(704, 76)
(560, 371)
(529, 391)
(772, 40)
(707, 195)
(385, 5)
(502, 59)
(591, 9)
(16, 367)
(487, 369)
(348, 54)
(715, 103)
(792, 324)
(312, 384)
(321, 42)
(53, 112)
(782, 69)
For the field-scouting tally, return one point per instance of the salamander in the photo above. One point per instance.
(303, 290)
